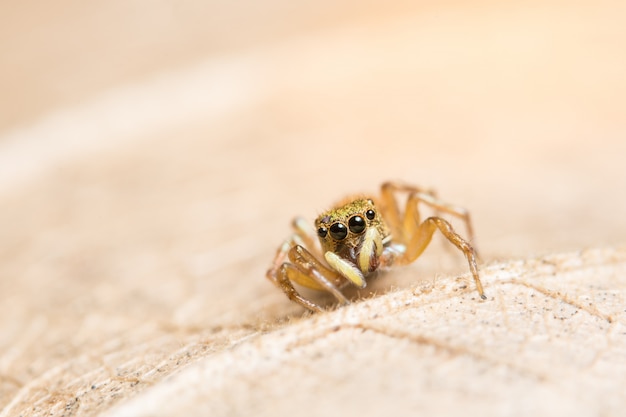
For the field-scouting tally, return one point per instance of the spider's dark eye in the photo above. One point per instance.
(338, 231)
(322, 231)
(356, 224)
(370, 214)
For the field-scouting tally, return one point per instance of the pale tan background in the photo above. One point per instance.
(153, 153)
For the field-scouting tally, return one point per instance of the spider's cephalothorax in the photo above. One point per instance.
(352, 236)
(358, 236)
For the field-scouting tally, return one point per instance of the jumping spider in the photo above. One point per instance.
(360, 235)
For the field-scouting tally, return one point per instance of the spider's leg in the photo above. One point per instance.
(428, 197)
(284, 275)
(303, 235)
(307, 271)
(391, 211)
(307, 234)
(424, 233)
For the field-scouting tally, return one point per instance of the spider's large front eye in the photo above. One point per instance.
(356, 224)
(322, 232)
(338, 231)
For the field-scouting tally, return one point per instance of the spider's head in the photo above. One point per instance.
(355, 231)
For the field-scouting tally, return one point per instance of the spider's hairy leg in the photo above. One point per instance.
(391, 211)
(285, 273)
(303, 235)
(423, 236)
(307, 271)
(453, 210)
(305, 231)
(428, 197)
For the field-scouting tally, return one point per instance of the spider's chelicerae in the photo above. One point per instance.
(360, 235)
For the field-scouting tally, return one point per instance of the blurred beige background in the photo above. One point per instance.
(153, 153)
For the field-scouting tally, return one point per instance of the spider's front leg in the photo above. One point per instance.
(294, 263)
(416, 235)
(420, 240)
(405, 227)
